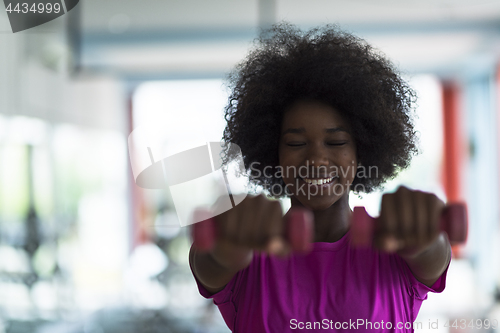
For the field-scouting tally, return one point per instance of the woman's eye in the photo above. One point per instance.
(295, 144)
(336, 143)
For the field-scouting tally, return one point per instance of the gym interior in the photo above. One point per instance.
(84, 248)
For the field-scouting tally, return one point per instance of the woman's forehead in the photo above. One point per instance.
(313, 113)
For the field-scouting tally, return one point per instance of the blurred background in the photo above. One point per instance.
(84, 249)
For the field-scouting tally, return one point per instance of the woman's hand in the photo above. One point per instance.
(409, 222)
(256, 223)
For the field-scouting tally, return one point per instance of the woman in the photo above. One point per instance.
(325, 103)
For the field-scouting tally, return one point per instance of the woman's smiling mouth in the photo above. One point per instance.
(320, 181)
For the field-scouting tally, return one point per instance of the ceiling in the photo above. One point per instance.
(160, 39)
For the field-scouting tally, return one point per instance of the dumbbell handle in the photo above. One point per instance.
(298, 230)
(453, 222)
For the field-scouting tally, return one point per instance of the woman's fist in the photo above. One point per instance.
(256, 224)
(409, 221)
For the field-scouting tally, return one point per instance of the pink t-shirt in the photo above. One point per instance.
(333, 288)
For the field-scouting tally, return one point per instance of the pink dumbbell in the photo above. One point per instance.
(453, 222)
(299, 230)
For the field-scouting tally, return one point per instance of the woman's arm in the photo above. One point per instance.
(254, 224)
(216, 268)
(409, 226)
(428, 266)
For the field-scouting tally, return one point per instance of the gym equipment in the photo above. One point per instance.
(298, 230)
(299, 227)
(453, 222)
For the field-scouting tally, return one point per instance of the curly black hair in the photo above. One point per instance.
(333, 67)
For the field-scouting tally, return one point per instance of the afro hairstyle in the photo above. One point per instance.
(331, 66)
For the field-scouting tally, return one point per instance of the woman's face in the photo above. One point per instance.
(317, 154)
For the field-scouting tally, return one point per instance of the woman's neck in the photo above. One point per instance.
(330, 224)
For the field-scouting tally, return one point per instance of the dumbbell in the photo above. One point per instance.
(299, 225)
(453, 222)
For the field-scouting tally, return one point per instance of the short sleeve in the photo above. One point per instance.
(220, 296)
(420, 290)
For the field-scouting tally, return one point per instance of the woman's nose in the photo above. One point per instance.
(317, 155)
